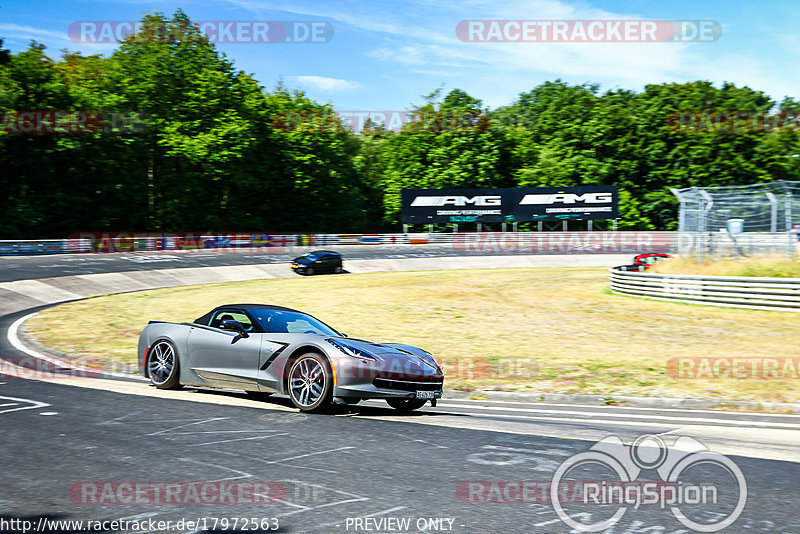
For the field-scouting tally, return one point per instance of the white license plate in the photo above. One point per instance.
(425, 395)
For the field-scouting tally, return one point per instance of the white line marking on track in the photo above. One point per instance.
(27, 404)
(187, 424)
(307, 455)
(243, 474)
(640, 418)
(15, 342)
(238, 439)
(544, 405)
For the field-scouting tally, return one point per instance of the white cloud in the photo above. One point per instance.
(29, 32)
(418, 37)
(323, 83)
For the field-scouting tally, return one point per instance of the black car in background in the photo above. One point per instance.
(318, 261)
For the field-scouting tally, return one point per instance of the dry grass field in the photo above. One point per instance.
(536, 329)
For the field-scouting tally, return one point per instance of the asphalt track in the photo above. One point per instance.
(47, 266)
(362, 469)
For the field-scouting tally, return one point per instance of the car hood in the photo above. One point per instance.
(301, 260)
(397, 355)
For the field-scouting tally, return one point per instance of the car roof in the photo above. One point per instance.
(254, 307)
(323, 252)
(207, 317)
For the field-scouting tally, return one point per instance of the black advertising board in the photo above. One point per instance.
(425, 206)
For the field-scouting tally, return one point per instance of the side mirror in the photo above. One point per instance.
(235, 326)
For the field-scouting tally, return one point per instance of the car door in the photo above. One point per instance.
(222, 358)
(324, 263)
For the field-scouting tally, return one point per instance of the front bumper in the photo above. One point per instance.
(356, 380)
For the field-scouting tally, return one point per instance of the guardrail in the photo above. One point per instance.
(470, 243)
(757, 293)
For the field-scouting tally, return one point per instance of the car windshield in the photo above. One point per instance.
(310, 256)
(290, 322)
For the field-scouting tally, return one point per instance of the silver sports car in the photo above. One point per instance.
(265, 349)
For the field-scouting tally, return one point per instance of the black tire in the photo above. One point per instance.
(257, 395)
(337, 269)
(309, 271)
(406, 405)
(310, 383)
(163, 365)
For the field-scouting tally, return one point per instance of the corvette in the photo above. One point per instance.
(264, 349)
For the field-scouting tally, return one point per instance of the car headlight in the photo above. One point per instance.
(429, 359)
(353, 352)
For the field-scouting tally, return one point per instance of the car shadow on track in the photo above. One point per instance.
(335, 409)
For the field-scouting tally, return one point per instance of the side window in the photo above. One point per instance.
(300, 326)
(236, 315)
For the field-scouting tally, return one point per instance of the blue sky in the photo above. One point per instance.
(385, 54)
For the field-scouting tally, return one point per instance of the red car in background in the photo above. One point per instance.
(642, 262)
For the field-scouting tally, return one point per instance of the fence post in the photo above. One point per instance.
(773, 202)
(788, 207)
(706, 208)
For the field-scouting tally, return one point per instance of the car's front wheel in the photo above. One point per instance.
(162, 365)
(406, 405)
(309, 270)
(310, 382)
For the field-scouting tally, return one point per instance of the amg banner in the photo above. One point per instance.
(424, 206)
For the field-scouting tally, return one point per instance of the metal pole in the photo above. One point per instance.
(455, 228)
(504, 227)
(706, 208)
(540, 225)
(681, 219)
(614, 225)
(789, 224)
(405, 228)
(564, 225)
(515, 227)
(589, 225)
(480, 227)
(773, 227)
(430, 228)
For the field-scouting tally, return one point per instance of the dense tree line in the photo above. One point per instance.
(188, 143)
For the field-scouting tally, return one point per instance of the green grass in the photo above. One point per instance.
(537, 329)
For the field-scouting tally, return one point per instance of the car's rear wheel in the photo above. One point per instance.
(337, 269)
(162, 365)
(310, 270)
(310, 381)
(406, 405)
